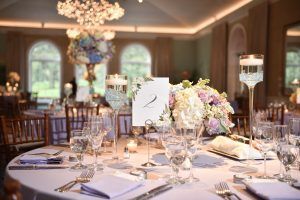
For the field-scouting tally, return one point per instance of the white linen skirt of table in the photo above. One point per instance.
(40, 184)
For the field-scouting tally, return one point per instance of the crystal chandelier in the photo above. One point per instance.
(90, 12)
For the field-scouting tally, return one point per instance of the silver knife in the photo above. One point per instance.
(152, 192)
(36, 167)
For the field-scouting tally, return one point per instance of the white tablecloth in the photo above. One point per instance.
(40, 184)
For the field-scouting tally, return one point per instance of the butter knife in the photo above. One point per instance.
(36, 167)
(155, 191)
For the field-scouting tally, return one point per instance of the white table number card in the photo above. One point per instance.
(150, 97)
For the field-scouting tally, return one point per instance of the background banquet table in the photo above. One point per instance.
(40, 184)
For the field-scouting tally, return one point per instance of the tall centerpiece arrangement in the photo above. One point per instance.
(89, 47)
(192, 109)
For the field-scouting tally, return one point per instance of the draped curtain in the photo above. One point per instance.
(219, 57)
(162, 65)
(15, 55)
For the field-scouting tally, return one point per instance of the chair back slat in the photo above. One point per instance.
(241, 125)
(273, 113)
(77, 115)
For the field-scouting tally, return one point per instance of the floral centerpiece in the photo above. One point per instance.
(89, 47)
(12, 83)
(199, 103)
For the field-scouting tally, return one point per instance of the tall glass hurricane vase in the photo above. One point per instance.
(251, 73)
(115, 95)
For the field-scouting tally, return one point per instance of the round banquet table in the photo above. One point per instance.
(40, 184)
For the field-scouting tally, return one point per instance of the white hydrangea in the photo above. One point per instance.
(188, 107)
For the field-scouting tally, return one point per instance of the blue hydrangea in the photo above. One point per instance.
(94, 58)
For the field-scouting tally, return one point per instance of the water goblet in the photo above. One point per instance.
(264, 141)
(288, 155)
(176, 151)
(294, 133)
(96, 138)
(280, 138)
(107, 124)
(78, 144)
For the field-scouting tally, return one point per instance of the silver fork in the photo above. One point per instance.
(227, 191)
(49, 154)
(220, 191)
(84, 177)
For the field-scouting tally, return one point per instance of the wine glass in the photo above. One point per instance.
(280, 138)
(78, 144)
(288, 155)
(107, 124)
(95, 139)
(115, 95)
(176, 152)
(251, 73)
(294, 132)
(192, 139)
(264, 141)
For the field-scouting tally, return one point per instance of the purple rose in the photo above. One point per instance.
(204, 97)
(215, 100)
(213, 125)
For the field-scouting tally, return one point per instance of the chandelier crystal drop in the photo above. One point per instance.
(90, 12)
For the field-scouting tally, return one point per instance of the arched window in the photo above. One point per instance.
(292, 68)
(100, 71)
(44, 70)
(135, 62)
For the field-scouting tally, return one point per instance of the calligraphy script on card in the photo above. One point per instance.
(150, 100)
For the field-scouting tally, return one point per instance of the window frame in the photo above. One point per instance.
(30, 60)
(136, 44)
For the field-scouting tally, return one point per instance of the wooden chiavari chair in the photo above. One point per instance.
(273, 113)
(12, 190)
(25, 133)
(23, 106)
(77, 115)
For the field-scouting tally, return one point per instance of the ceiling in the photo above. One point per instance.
(174, 15)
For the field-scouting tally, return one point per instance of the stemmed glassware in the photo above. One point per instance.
(78, 144)
(264, 141)
(96, 137)
(192, 139)
(251, 73)
(115, 95)
(107, 123)
(176, 152)
(288, 155)
(294, 133)
(280, 138)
